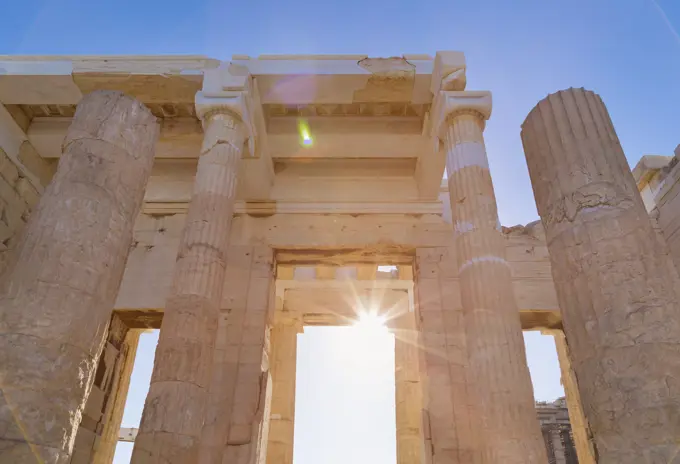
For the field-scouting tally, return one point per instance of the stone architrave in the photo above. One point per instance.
(616, 285)
(60, 287)
(496, 352)
(174, 411)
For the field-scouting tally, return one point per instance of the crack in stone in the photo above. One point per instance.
(590, 198)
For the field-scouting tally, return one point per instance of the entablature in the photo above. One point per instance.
(354, 109)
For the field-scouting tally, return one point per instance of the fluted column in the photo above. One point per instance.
(615, 282)
(58, 291)
(283, 370)
(496, 353)
(175, 406)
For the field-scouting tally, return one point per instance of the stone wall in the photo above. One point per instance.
(17, 198)
(666, 213)
(557, 432)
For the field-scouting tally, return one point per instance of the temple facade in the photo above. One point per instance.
(232, 204)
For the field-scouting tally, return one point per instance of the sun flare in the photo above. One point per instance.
(371, 321)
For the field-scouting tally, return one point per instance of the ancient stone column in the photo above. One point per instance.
(615, 282)
(174, 411)
(58, 291)
(494, 333)
(283, 368)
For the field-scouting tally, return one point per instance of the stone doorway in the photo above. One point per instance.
(320, 296)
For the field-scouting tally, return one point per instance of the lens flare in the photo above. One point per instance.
(305, 134)
(370, 321)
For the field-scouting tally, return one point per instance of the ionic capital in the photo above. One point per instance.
(229, 95)
(450, 105)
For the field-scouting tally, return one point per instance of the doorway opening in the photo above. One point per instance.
(345, 395)
(549, 394)
(140, 381)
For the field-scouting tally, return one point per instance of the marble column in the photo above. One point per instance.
(495, 344)
(58, 291)
(616, 285)
(408, 389)
(283, 370)
(174, 411)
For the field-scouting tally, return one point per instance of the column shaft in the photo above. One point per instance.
(283, 364)
(58, 291)
(494, 333)
(175, 406)
(616, 285)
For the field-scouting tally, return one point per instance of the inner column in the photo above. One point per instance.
(174, 411)
(496, 352)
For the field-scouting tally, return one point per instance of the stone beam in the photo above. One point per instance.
(63, 80)
(350, 137)
(179, 137)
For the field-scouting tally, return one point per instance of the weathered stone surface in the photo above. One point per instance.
(59, 288)
(239, 389)
(616, 284)
(283, 367)
(451, 428)
(175, 408)
(579, 424)
(17, 198)
(408, 389)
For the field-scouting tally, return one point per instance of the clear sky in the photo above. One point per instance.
(626, 50)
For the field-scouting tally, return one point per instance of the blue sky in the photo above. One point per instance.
(626, 50)
(521, 50)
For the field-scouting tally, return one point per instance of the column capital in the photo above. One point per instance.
(450, 104)
(230, 90)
